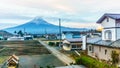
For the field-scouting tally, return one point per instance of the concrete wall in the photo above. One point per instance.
(99, 51)
(67, 47)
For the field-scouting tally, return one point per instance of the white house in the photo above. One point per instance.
(111, 26)
(103, 47)
(15, 38)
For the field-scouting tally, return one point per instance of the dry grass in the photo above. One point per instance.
(3, 59)
(22, 48)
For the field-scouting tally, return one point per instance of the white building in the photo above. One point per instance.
(103, 47)
(111, 26)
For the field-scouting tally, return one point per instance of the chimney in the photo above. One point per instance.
(84, 41)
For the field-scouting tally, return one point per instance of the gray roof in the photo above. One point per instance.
(113, 16)
(116, 44)
(98, 41)
(93, 40)
(75, 40)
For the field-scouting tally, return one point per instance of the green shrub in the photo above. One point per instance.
(115, 57)
(92, 63)
(57, 43)
(51, 43)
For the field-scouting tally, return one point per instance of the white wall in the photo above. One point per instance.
(106, 24)
(113, 31)
(109, 24)
(90, 53)
(118, 33)
(63, 36)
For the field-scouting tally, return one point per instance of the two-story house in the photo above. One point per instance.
(103, 47)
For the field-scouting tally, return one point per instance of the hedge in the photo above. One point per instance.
(51, 43)
(92, 63)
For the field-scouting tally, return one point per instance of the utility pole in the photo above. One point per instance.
(24, 31)
(60, 39)
(45, 31)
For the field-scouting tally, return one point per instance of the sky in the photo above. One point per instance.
(73, 13)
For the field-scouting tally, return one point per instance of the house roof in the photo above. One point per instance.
(12, 60)
(73, 32)
(74, 40)
(113, 16)
(93, 40)
(98, 41)
(13, 57)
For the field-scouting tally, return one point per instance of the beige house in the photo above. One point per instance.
(103, 47)
(72, 44)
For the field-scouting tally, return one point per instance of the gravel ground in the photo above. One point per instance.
(37, 61)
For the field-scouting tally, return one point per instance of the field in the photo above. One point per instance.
(8, 48)
(28, 51)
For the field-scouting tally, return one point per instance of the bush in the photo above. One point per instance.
(92, 63)
(115, 57)
(57, 43)
(51, 43)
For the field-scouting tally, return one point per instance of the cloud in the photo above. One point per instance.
(78, 11)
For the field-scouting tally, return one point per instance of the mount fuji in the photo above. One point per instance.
(40, 26)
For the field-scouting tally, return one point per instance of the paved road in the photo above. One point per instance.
(59, 55)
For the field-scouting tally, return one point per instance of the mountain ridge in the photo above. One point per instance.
(40, 26)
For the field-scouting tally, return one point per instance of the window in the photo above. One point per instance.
(108, 35)
(107, 19)
(74, 46)
(105, 51)
(90, 48)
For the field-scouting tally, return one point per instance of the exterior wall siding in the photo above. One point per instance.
(110, 23)
(113, 30)
(118, 33)
(99, 52)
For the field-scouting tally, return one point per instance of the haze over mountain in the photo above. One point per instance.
(40, 26)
